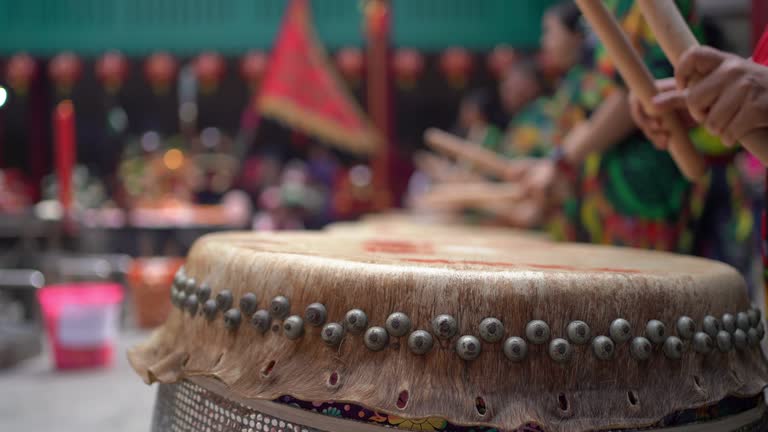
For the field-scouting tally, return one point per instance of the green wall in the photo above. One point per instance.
(138, 27)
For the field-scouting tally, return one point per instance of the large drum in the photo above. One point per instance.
(332, 332)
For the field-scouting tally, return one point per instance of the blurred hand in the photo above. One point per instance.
(577, 140)
(722, 91)
(517, 169)
(650, 122)
(523, 214)
(546, 185)
(540, 179)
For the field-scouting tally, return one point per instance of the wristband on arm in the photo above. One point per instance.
(557, 155)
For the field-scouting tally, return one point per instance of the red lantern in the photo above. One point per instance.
(65, 70)
(501, 59)
(112, 68)
(351, 64)
(160, 70)
(209, 68)
(409, 65)
(456, 64)
(252, 67)
(21, 70)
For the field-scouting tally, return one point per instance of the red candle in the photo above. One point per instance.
(64, 132)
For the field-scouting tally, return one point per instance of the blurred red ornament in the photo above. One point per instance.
(112, 68)
(20, 71)
(65, 70)
(160, 70)
(409, 65)
(501, 59)
(351, 63)
(252, 67)
(209, 68)
(456, 64)
(376, 14)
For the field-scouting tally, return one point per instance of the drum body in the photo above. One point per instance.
(341, 331)
(199, 406)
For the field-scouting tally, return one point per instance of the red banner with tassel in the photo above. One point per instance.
(301, 89)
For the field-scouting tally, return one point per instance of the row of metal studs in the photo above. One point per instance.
(739, 331)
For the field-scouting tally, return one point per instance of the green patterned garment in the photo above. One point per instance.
(544, 123)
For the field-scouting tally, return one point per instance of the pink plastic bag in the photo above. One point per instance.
(82, 322)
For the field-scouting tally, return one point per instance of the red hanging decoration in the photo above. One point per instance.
(20, 71)
(456, 64)
(209, 68)
(301, 89)
(252, 68)
(409, 65)
(351, 64)
(501, 59)
(112, 69)
(65, 153)
(160, 70)
(65, 70)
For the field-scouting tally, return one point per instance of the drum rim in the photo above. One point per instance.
(328, 423)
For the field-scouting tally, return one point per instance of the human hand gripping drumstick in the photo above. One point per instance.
(640, 82)
(483, 159)
(675, 39)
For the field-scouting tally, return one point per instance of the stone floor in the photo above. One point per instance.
(35, 397)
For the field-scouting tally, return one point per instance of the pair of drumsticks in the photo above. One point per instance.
(675, 38)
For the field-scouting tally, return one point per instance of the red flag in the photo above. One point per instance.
(301, 89)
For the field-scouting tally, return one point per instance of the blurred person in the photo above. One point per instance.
(474, 120)
(521, 85)
(621, 190)
(543, 124)
(539, 120)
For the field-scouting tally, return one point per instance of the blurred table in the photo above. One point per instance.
(38, 398)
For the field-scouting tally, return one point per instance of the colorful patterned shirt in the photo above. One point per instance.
(545, 122)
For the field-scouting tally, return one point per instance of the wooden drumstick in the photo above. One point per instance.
(452, 145)
(484, 192)
(641, 82)
(442, 170)
(675, 38)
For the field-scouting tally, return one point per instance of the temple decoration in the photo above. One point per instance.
(209, 69)
(160, 70)
(456, 65)
(65, 69)
(112, 69)
(409, 66)
(253, 65)
(301, 88)
(351, 64)
(20, 72)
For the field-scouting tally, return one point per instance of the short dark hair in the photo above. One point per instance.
(569, 15)
(481, 99)
(531, 68)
